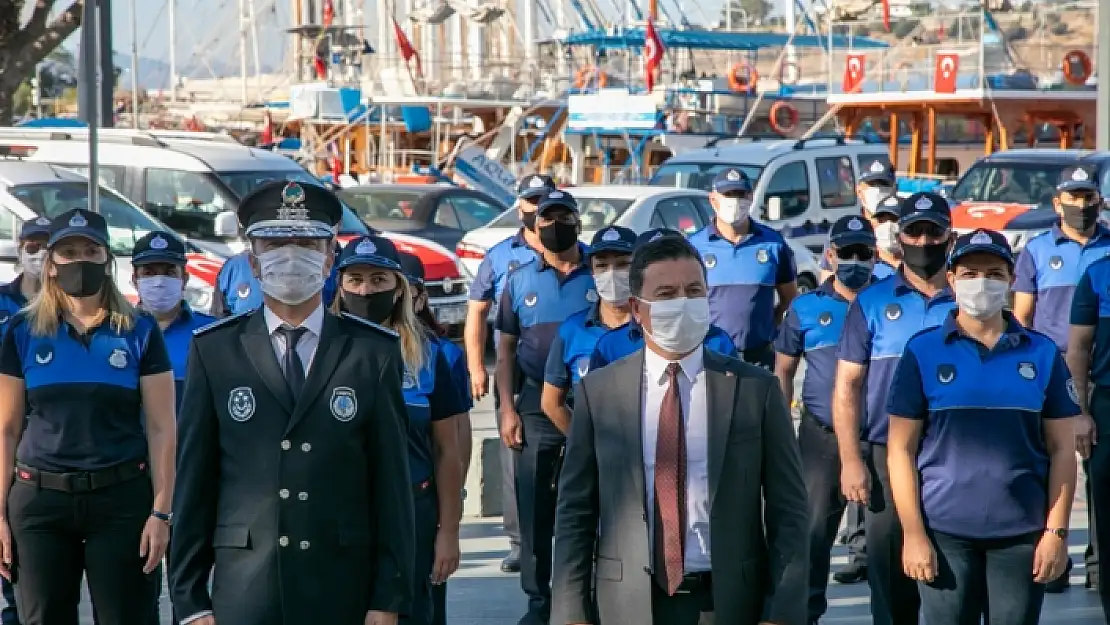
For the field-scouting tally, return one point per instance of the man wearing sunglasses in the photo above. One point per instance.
(811, 330)
(880, 206)
(878, 324)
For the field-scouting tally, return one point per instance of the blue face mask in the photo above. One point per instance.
(854, 274)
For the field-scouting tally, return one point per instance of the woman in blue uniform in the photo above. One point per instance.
(93, 476)
(372, 285)
(982, 417)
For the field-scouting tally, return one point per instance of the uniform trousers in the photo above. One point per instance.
(1098, 498)
(894, 597)
(511, 520)
(537, 474)
(61, 536)
(977, 577)
(426, 511)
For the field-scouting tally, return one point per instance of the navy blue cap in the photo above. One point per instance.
(158, 247)
(534, 185)
(613, 239)
(557, 199)
(37, 227)
(78, 222)
(412, 267)
(852, 230)
(879, 173)
(371, 250)
(1077, 179)
(290, 210)
(732, 180)
(890, 206)
(981, 241)
(657, 233)
(925, 206)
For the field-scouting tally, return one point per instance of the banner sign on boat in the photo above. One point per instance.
(611, 109)
(485, 174)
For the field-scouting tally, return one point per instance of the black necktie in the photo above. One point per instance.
(291, 363)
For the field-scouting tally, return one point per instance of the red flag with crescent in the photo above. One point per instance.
(329, 13)
(653, 54)
(405, 47)
(855, 67)
(948, 66)
(886, 14)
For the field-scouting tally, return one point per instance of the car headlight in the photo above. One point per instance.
(199, 295)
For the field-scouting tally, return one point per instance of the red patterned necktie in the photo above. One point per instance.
(670, 487)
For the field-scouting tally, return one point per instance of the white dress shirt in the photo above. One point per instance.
(695, 417)
(309, 341)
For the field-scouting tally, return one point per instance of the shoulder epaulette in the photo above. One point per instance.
(370, 324)
(220, 323)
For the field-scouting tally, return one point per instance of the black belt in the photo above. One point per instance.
(809, 415)
(696, 582)
(81, 481)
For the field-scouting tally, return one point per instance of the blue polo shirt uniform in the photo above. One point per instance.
(460, 375)
(973, 398)
(623, 341)
(812, 328)
(498, 262)
(11, 300)
(1050, 267)
(569, 359)
(178, 336)
(242, 292)
(742, 280)
(1090, 306)
(430, 395)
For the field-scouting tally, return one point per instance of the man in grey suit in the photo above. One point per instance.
(681, 499)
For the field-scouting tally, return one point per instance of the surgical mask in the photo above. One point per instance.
(679, 325)
(981, 298)
(82, 278)
(376, 307)
(32, 263)
(291, 274)
(160, 294)
(1080, 217)
(612, 286)
(559, 237)
(733, 210)
(854, 274)
(886, 236)
(872, 196)
(925, 260)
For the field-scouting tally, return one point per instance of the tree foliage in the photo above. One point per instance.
(24, 44)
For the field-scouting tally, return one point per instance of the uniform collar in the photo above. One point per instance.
(1013, 336)
(14, 289)
(1059, 236)
(901, 287)
(655, 366)
(828, 290)
(517, 240)
(583, 259)
(755, 231)
(314, 323)
(593, 317)
(185, 315)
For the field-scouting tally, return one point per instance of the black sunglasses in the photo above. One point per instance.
(857, 252)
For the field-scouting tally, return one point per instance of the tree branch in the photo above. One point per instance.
(38, 39)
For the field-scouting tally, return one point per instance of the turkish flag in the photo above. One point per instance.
(321, 67)
(267, 135)
(653, 55)
(886, 15)
(329, 13)
(855, 67)
(408, 52)
(948, 65)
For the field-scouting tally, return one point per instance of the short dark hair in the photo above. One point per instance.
(662, 249)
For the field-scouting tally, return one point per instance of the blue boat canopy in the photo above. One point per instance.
(52, 122)
(709, 40)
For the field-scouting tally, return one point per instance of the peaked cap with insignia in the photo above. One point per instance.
(78, 222)
(158, 247)
(371, 250)
(852, 230)
(290, 210)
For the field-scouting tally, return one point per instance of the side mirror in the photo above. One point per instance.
(774, 208)
(9, 251)
(226, 225)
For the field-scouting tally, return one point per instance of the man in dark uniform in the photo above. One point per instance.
(295, 490)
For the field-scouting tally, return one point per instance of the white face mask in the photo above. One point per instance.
(679, 325)
(733, 210)
(291, 274)
(981, 298)
(159, 294)
(886, 235)
(873, 195)
(32, 263)
(612, 286)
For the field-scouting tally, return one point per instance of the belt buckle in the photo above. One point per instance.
(80, 481)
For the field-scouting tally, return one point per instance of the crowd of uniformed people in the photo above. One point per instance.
(309, 449)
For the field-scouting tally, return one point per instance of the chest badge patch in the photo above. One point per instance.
(591, 296)
(240, 403)
(4, 316)
(344, 404)
(710, 261)
(530, 300)
(583, 367)
(1056, 263)
(118, 359)
(1072, 393)
(44, 354)
(893, 312)
(244, 290)
(946, 373)
(825, 318)
(762, 256)
(1027, 370)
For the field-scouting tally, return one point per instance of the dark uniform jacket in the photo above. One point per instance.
(304, 512)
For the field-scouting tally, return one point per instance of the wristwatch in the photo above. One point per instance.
(1060, 532)
(164, 517)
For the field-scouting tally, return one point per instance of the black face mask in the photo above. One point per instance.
(1080, 217)
(559, 237)
(528, 219)
(376, 307)
(82, 278)
(925, 260)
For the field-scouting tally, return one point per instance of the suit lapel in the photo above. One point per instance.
(720, 383)
(332, 343)
(260, 351)
(632, 421)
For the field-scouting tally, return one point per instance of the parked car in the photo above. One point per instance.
(438, 212)
(634, 207)
(1012, 191)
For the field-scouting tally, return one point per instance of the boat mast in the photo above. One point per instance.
(243, 50)
(173, 50)
(253, 21)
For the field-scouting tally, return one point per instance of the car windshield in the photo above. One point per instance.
(596, 213)
(697, 175)
(1009, 183)
(126, 223)
(382, 203)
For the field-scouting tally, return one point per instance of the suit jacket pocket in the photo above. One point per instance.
(233, 536)
(610, 569)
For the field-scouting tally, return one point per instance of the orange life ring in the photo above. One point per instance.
(1077, 67)
(742, 78)
(792, 117)
(585, 76)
